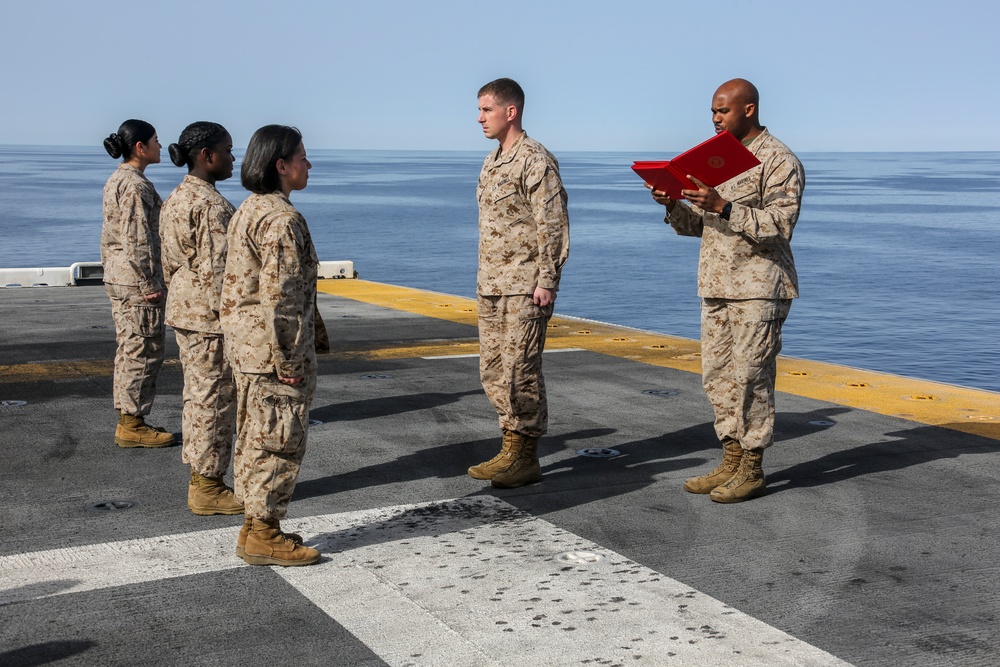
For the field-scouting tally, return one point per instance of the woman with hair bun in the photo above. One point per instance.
(193, 225)
(130, 253)
(268, 320)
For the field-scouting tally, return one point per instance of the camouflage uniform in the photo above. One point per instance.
(523, 244)
(130, 253)
(193, 233)
(267, 318)
(746, 279)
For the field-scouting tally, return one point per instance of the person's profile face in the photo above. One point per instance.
(150, 151)
(294, 171)
(221, 159)
(730, 113)
(493, 117)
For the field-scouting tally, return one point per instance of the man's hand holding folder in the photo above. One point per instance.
(711, 162)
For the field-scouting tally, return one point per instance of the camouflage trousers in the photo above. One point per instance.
(740, 341)
(209, 418)
(511, 340)
(272, 424)
(140, 334)
(322, 337)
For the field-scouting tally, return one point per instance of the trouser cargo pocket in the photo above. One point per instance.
(147, 318)
(277, 415)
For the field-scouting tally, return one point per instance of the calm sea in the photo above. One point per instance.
(898, 253)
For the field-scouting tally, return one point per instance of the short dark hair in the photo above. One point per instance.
(259, 171)
(504, 91)
(202, 134)
(131, 132)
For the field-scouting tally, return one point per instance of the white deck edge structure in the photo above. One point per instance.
(52, 276)
(466, 582)
(336, 269)
(85, 273)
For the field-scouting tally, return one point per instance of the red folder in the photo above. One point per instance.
(713, 162)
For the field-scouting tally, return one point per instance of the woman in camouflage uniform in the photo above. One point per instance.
(268, 320)
(193, 225)
(130, 253)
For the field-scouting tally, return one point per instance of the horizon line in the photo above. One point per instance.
(477, 151)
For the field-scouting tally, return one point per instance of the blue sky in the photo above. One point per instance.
(607, 76)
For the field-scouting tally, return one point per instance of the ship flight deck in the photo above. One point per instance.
(875, 545)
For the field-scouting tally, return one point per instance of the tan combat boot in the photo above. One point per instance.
(135, 432)
(267, 545)
(500, 462)
(732, 452)
(747, 483)
(525, 468)
(210, 495)
(241, 539)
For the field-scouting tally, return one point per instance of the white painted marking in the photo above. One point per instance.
(452, 356)
(466, 582)
(474, 356)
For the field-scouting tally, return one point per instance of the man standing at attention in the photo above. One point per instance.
(523, 245)
(746, 280)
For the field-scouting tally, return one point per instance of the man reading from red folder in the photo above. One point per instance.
(746, 280)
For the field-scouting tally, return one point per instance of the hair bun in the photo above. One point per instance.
(113, 145)
(178, 155)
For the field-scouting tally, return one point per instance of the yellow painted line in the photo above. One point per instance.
(420, 302)
(56, 370)
(411, 351)
(63, 370)
(968, 410)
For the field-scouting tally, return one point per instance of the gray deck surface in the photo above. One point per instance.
(877, 544)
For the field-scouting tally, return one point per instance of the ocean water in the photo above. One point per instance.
(898, 254)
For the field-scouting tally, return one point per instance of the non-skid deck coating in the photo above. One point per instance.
(875, 546)
(453, 583)
(934, 403)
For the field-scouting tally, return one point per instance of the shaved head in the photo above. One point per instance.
(734, 108)
(741, 91)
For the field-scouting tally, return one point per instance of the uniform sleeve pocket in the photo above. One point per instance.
(278, 411)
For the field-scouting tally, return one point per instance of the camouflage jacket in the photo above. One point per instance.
(193, 224)
(523, 222)
(130, 238)
(269, 289)
(749, 256)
